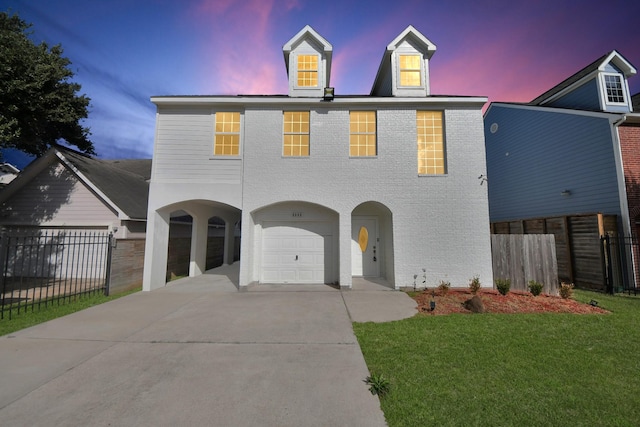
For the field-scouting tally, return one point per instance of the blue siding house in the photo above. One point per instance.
(561, 154)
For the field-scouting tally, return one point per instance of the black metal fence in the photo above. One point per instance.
(45, 267)
(621, 257)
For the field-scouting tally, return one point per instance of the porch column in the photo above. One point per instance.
(246, 250)
(199, 236)
(155, 252)
(345, 250)
(229, 239)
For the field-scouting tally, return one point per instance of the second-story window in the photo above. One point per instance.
(296, 134)
(308, 70)
(613, 86)
(431, 149)
(362, 133)
(410, 70)
(227, 134)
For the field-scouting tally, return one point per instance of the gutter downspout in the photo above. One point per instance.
(624, 205)
(622, 187)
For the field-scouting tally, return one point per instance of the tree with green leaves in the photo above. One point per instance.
(39, 104)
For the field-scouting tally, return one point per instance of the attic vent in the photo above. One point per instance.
(494, 128)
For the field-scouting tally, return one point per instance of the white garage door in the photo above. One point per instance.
(295, 252)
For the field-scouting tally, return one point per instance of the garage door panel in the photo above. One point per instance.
(309, 259)
(305, 276)
(271, 244)
(279, 276)
(289, 243)
(295, 252)
(308, 243)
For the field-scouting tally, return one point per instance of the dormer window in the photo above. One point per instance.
(410, 70)
(404, 70)
(613, 86)
(308, 59)
(308, 70)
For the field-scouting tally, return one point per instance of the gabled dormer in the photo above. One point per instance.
(308, 59)
(600, 86)
(404, 70)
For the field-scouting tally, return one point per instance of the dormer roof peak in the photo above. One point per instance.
(307, 56)
(304, 33)
(416, 38)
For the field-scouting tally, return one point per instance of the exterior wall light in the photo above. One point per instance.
(566, 193)
(328, 94)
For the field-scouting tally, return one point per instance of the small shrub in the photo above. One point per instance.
(444, 287)
(474, 285)
(535, 287)
(378, 384)
(566, 290)
(503, 286)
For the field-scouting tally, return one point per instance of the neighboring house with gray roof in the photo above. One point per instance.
(67, 189)
(70, 191)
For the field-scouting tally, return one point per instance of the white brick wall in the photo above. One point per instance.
(440, 223)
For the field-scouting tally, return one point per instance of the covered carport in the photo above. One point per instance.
(200, 212)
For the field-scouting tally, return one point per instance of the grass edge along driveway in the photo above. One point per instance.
(510, 369)
(28, 316)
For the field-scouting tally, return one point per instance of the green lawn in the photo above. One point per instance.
(511, 370)
(28, 318)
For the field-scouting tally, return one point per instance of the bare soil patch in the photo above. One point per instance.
(513, 302)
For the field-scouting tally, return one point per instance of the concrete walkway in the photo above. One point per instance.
(198, 352)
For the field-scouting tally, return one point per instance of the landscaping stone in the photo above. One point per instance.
(474, 304)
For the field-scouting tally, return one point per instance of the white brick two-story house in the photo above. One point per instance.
(327, 188)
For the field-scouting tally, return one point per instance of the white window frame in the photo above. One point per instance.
(445, 171)
(603, 80)
(240, 133)
(284, 134)
(374, 133)
(297, 70)
(399, 69)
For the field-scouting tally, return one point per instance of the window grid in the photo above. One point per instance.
(430, 143)
(308, 70)
(410, 70)
(613, 83)
(227, 134)
(362, 133)
(296, 134)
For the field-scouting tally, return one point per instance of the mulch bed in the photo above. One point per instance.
(513, 302)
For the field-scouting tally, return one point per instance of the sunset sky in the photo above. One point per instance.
(125, 51)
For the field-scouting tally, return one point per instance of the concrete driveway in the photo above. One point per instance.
(197, 352)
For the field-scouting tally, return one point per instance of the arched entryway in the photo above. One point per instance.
(187, 238)
(372, 253)
(295, 242)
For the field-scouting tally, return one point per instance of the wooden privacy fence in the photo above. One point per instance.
(524, 257)
(578, 247)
